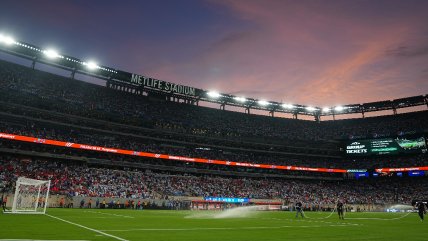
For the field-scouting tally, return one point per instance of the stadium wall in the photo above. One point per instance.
(54, 202)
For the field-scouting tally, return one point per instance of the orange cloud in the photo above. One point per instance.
(303, 53)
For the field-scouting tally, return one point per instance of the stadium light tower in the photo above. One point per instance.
(240, 99)
(263, 102)
(213, 94)
(339, 108)
(310, 108)
(52, 54)
(6, 39)
(288, 106)
(91, 65)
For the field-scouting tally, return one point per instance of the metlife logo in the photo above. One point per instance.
(356, 148)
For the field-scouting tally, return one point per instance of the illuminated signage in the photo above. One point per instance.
(227, 199)
(386, 146)
(157, 84)
(162, 156)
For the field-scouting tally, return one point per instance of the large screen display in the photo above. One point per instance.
(227, 199)
(386, 146)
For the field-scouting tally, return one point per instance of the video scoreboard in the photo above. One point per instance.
(390, 146)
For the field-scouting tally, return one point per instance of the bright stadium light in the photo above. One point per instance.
(288, 106)
(6, 39)
(213, 94)
(263, 102)
(326, 109)
(52, 54)
(91, 65)
(310, 108)
(339, 108)
(240, 99)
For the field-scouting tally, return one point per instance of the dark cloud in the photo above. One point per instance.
(407, 51)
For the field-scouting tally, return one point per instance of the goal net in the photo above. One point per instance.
(31, 196)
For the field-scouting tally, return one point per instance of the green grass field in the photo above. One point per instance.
(148, 225)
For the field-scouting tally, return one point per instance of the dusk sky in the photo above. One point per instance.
(321, 53)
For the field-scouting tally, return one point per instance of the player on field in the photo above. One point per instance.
(421, 210)
(299, 209)
(3, 202)
(340, 207)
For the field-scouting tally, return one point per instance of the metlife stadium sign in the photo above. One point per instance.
(386, 146)
(155, 85)
(161, 85)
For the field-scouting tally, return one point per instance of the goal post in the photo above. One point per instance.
(31, 196)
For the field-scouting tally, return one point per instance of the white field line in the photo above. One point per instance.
(110, 214)
(40, 240)
(87, 217)
(91, 229)
(237, 228)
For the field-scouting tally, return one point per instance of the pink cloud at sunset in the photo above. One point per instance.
(306, 52)
(317, 54)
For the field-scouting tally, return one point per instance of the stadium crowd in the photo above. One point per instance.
(20, 85)
(44, 105)
(127, 142)
(77, 179)
(48, 106)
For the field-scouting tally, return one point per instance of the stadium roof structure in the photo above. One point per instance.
(140, 84)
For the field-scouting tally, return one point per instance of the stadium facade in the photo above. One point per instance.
(142, 138)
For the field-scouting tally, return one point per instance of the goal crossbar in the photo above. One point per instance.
(31, 196)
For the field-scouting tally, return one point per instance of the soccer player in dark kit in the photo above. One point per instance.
(421, 210)
(3, 202)
(299, 209)
(340, 207)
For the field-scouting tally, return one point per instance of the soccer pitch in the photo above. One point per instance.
(154, 225)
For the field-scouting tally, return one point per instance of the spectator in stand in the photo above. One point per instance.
(43, 105)
(61, 202)
(25, 87)
(109, 183)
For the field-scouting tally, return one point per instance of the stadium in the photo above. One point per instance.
(140, 158)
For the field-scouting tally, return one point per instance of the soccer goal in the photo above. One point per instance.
(31, 196)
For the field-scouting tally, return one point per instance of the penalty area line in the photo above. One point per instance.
(90, 229)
